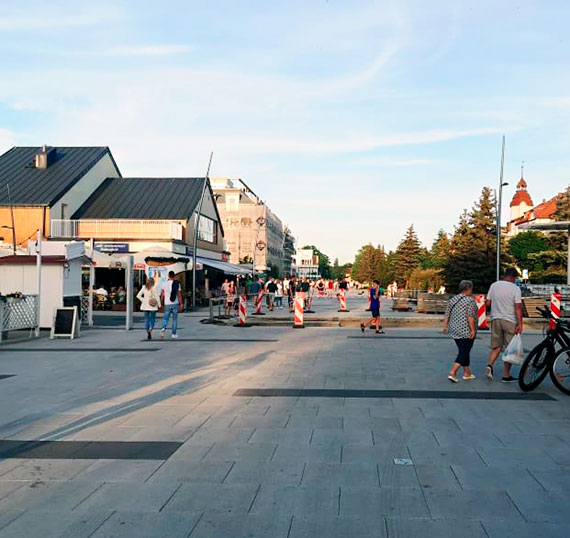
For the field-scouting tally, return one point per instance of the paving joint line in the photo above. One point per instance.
(254, 499)
(111, 514)
(303, 473)
(170, 498)
(536, 479)
(484, 529)
(195, 525)
(290, 526)
(516, 506)
(229, 471)
(90, 494)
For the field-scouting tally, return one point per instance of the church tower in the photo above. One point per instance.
(521, 201)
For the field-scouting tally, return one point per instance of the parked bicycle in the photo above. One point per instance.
(552, 356)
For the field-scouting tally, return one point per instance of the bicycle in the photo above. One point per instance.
(545, 358)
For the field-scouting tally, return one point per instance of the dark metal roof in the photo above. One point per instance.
(143, 198)
(34, 186)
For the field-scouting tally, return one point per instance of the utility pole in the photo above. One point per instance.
(499, 206)
(196, 224)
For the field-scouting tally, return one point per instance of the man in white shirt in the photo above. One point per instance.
(505, 301)
(171, 296)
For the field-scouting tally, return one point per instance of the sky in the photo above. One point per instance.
(352, 120)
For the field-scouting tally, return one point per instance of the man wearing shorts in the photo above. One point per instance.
(504, 300)
(374, 309)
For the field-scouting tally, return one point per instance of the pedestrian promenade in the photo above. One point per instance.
(184, 438)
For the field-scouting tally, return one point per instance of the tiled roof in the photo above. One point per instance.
(521, 196)
(143, 198)
(35, 186)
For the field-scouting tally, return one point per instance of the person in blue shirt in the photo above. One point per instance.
(374, 309)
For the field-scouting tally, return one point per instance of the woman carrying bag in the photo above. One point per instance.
(461, 325)
(150, 300)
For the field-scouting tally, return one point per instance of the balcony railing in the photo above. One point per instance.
(116, 229)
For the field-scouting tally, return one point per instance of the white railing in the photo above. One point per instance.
(115, 229)
(16, 314)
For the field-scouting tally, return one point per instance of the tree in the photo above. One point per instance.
(563, 205)
(336, 271)
(407, 255)
(366, 267)
(439, 252)
(525, 243)
(423, 279)
(324, 261)
(473, 247)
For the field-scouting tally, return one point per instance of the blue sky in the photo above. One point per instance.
(351, 119)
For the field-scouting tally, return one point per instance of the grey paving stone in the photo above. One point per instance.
(191, 452)
(119, 496)
(295, 436)
(241, 451)
(284, 501)
(474, 477)
(475, 440)
(8, 516)
(498, 528)
(518, 458)
(42, 469)
(339, 438)
(241, 526)
(147, 524)
(541, 506)
(52, 524)
(436, 476)
(118, 470)
(376, 454)
(471, 504)
(317, 526)
(192, 471)
(446, 455)
(536, 440)
(251, 472)
(386, 501)
(209, 498)
(433, 528)
(317, 453)
(397, 476)
(341, 474)
(553, 481)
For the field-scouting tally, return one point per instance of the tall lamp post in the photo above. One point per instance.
(499, 207)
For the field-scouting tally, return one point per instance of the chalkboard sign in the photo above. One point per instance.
(65, 323)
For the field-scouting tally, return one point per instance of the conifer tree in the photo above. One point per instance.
(407, 255)
(563, 205)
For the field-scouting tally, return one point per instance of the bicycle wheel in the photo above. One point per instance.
(535, 366)
(560, 370)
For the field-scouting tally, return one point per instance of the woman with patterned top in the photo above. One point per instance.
(460, 324)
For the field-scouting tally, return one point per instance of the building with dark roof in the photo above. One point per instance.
(38, 184)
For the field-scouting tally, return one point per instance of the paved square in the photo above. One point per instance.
(150, 439)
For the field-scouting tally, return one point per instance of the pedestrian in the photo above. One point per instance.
(291, 294)
(505, 301)
(271, 291)
(229, 300)
(150, 303)
(172, 301)
(460, 323)
(279, 294)
(374, 309)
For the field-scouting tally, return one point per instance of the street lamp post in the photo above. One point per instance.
(499, 206)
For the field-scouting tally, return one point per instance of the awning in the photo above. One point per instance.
(227, 268)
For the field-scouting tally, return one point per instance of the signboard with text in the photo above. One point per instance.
(111, 248)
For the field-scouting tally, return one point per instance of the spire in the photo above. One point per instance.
(521, 185)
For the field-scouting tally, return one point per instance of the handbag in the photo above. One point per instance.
(152, 301)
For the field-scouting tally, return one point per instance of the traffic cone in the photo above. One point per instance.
(481, 313)
(298, 322)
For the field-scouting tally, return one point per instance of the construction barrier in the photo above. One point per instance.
(555, 305)
(298, 322)
(309, 303)
(242, 316)
(342, 301)
(482, 322)
(259, 304)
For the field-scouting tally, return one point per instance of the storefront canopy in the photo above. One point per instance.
(227, 268)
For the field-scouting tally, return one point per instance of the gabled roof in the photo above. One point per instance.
(520, 197)
(35, 186)
(143, 198)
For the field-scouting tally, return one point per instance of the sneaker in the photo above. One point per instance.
(380, 332)
(174, 336)
(509, 379)
(362, 327)
(453, 378)
(469, 377)
(148, 336)
(489, 372)
(162, 331)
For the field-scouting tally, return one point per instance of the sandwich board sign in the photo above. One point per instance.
(65, 323)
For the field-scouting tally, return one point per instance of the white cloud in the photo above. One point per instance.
(385, 162)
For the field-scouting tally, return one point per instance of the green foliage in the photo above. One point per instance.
(366, 264)
(563, 205)
(437, 256)
(473, 246)
(525, 243)
(407, 256)
(422, 279)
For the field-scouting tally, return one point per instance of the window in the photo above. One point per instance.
(232, 202)
(208, 230)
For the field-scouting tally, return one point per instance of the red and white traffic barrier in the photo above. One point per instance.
(555, 305)
(298, 321)
(482, 322)
(342, 301)
(259, 304)
(242, 310)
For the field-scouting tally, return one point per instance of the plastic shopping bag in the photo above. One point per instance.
(514, 351)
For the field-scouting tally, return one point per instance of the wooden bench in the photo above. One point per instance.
(530, 304)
